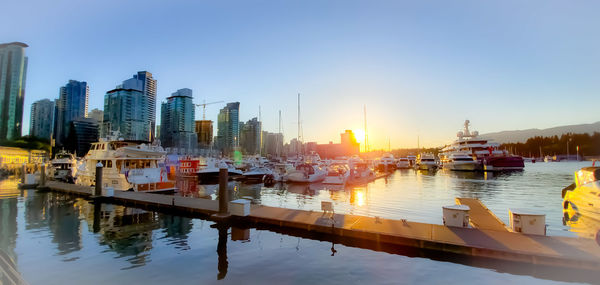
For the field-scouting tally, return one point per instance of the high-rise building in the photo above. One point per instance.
(42, 119)
(97, 115)
(84, 131)
(125, 112)
(72, 104)
(272, 144)
(204, 129)
(228, 127)
(13, 73)
(177, 125)
(250, 136)
(143, 81)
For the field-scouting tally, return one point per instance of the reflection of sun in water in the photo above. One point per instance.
(358, 197)
(360, 135)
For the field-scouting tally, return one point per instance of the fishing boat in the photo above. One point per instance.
(127, 165)
(488, 154)
(460, 161)
(337, 173)
(426, 161)
(64, 166)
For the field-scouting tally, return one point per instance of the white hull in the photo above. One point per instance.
(300, 177)
(337, 180)
(462, 165)
(426, 166)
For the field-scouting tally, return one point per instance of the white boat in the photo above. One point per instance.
(386, 163)
(460, 161)
(488, 154)
(281, 170)
(403, 163)
(306, 173)
(426, 161)
(548, 158)
(210, 173)
(257, 173)
(411, 160)
(360, 173)
(337, 173)
(127, 165)
(64, 166)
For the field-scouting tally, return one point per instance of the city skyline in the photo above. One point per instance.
(419, 71)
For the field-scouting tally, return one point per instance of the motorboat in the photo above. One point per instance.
(426, 161)
(548, 158)
(460, 161)
(210, 173)
(360, 173)
(386, 163)
(411, 160)
(126, 165)
(582, 197)
(257, 173)
(64, 166)
(306, 173)
(487, 153)
(337, 173)
(403, 163)
(280, 171)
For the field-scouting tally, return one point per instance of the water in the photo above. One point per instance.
(60, 239)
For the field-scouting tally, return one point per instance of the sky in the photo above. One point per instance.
(420, 67)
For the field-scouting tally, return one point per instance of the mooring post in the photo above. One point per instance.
(98, 189)
(223, 197)
(43, 175)
(23, 173)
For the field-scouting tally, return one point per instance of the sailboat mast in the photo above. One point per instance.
(260, 132)
(366, 136)
(278, 136)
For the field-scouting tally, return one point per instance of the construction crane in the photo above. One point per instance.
(204, 107)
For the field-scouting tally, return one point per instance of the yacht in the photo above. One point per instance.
(306, 173)
(386, 162)
(460, 161)
(411, 160)
(127, 165)
(582, 196)
(403, 163)
(257, 173)
(210, 173)
(337, 173)
(280, 171)
(426, 161)
(64, 166)
(360, 173)
(488, 154)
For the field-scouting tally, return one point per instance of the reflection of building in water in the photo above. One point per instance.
(8, 226)
(248, 190)
(64, 223)
(176, 229)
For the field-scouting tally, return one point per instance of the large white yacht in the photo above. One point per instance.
(127, 165)
(426, 161)
(488, 154)
(64, 166)
(403, 163)
(306, 173)
(459, 161)
(386, 162)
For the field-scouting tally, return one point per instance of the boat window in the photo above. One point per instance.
(147, 164)
(109, 164)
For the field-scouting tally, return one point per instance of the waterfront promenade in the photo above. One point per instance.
(494, 244)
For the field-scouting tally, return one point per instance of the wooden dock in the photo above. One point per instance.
(481, 217)
(488, 239)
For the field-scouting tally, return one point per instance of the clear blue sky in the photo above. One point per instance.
(421, 67)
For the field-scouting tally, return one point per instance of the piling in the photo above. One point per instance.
(42, 175)
(23, 173)
(223, 197)
(98, 188)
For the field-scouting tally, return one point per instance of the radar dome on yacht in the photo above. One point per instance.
(459, 134)
(475, 133)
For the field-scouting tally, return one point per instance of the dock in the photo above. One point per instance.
(488, 238)
(481, 217)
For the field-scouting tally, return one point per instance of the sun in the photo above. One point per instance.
(360, 135)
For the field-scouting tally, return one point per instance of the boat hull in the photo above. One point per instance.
(503, 163)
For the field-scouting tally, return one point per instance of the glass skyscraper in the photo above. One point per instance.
(228, 127)
(124, 113)
(13, 71)
(177, 124)
(72, 104)
(143, 81)
(41, 119)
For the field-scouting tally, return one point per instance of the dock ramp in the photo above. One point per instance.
(481, 217)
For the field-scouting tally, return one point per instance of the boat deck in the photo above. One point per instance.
(481, 217)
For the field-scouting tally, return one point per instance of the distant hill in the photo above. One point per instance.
(522, 135)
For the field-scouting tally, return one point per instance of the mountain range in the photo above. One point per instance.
(522, 135)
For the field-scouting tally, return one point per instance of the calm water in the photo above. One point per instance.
(59, 239)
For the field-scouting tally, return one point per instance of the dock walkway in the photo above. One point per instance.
(494, 242)
(481, 217)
